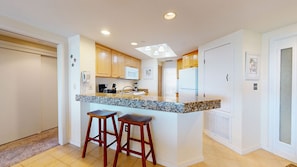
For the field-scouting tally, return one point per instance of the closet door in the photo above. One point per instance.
(218, 75)
(49, 93)
(20, 94)
(218, 83)
(284, 96)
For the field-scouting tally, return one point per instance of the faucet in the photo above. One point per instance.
(127, 87)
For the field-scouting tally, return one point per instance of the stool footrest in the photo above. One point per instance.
(138, 140)
(100, 141)
(135, 152)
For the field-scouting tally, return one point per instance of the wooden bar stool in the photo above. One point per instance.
(101, 115)
(140, 121)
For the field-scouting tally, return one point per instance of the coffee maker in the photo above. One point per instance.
(101, 88)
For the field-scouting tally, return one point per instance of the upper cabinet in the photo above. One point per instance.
(132, 62)
(190, 60)
(103, 61)
(111, 63)
(179, 66)
(117, 64)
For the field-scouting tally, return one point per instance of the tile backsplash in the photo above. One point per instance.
(120, 83)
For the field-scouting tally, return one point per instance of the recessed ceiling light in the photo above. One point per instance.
(169, 15)
(105, 32)
(134, 43)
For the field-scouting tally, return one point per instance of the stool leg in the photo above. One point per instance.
(104, 143)
(128, 139)
(118, 146)
(142, 147)
(87, 137)
(100, 131)
(151, 144)
(115, 128)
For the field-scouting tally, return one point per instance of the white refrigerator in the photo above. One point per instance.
(188, 82)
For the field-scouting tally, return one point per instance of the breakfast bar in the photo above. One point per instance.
(176, 127)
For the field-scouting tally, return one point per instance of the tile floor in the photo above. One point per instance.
(215, 154)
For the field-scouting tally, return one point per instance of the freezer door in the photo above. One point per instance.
(188, 92)
(188, 78)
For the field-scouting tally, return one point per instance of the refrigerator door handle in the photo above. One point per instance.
(227, 77)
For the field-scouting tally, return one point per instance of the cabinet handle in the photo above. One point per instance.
(227, 77)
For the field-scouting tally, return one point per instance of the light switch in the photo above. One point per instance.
(255, 87)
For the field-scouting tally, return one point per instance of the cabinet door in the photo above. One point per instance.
(194, 60)
(117, 65)
(186, 61)
(218, 75)
(179, 67)
(103, 61)
(132, 62)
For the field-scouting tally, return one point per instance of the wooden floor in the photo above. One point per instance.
(215, 154)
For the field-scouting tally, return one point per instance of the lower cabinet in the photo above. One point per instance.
(218, 125)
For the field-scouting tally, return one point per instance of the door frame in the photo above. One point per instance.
(283, 150)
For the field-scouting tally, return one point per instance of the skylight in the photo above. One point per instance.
(157, 51)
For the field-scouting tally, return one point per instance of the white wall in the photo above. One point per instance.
(266, 38)
(150, 84)
(251, 99)
(83, 59)
(74, 89)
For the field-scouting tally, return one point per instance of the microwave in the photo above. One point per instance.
(131, 73)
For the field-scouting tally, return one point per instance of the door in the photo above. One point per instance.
(283, 97)
(218, 72)
(218, 75)
(188, 78)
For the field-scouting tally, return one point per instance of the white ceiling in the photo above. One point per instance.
(197, 21)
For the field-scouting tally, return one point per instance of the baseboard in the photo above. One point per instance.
(181, 164)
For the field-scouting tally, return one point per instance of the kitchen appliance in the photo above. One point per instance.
(188, 82)
(131, 73)
(101, 88)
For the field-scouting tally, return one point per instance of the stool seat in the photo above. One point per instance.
(101, 115)
(136, 119)
(141, 121)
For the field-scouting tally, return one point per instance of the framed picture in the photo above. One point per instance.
(252, 66)
(147, 73)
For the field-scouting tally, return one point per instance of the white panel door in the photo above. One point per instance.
(283, 97)
(218, 73)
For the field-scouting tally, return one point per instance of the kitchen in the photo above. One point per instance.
(285, 29)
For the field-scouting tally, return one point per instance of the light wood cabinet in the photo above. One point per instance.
(111, 63)
(103, 61)
(179, 66)
(132, 62)
(117, 64)
(190, 60)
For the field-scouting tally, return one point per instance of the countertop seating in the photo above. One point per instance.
(141, 121)
(174, 146)
(101, 115)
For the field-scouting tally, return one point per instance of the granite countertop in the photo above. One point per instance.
(162, 103)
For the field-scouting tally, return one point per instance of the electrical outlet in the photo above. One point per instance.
(126, 128)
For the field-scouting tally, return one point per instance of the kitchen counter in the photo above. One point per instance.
(168, 104)
(176, 127)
